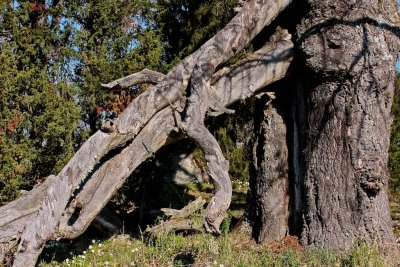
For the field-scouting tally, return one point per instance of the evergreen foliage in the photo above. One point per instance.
(187, 24)
(53, 57)
(112, 39)
(38, 114)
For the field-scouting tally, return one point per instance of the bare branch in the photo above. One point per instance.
(83, 169)
(144, 76)
(106, 180)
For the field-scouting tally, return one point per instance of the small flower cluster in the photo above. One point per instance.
(216, 263)
(79, 259)
(241, 184)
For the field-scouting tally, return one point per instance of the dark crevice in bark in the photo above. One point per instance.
(296, 129)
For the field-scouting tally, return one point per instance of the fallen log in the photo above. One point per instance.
(63, 210)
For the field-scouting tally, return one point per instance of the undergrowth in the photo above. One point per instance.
(233, 249)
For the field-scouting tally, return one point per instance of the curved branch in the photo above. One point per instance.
(84, 166)
(217, 165)
(103, 184)
(93, 197)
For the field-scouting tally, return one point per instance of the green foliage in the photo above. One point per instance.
(234, 135)
(111, 39)
(53, 57)
(226, 223)
(238, 156)
(394, 152)
(38, 115)
(187, 24)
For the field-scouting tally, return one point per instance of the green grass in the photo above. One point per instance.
(232, 249)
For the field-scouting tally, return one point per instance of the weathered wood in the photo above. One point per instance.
(112, 174)
(43, 226)
(242, 80)
(269, 190)
(29, 202)
(144, 76)
(158, 129)
(16, 214)
(180, 219)
(177, 225)
(198, 103)
(85, 167)
(186, 211)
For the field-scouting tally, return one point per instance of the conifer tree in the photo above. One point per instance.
(111, 39)
(38, 114)
(54, 56)
(187, 24)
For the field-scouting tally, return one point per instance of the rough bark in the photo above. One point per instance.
(270, 199)
(349, 48)
(100, 167)
(253, 17)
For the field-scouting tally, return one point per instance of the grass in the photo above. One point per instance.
(230, 249)
(395, 212)
(234, 249)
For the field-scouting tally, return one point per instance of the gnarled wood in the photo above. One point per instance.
(90, 194)
(161, 125)
(269, 190)
(28, 204)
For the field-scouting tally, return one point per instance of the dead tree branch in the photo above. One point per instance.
(144, 76)
(180, 220)
(139, 125)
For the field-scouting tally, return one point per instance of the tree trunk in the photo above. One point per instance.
(347, 62)
(349, 51)
(65, 204)
(270, 205)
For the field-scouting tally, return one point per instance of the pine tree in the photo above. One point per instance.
(38, 114)
(112, 39)
(187, 24)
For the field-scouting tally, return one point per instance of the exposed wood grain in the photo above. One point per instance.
(144, 76)
(86, 166)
